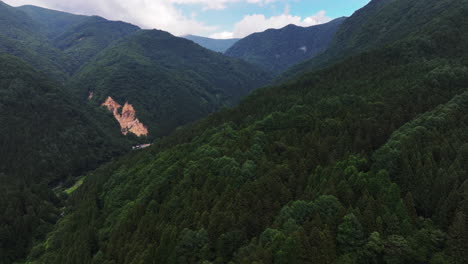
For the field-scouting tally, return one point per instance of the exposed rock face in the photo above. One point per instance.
(127, 119)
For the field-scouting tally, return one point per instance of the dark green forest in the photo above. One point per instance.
(359, 155)
(50, 136)
(360, 162)
(379, 23)
(276, 50)
(171, 81)
(46, 138)
(21, 36)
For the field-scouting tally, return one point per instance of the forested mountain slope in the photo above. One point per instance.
(22, 37)
(78, 37)
(361, 162)
(276, 50)
(49, 136)
(218, 45)
(380, 23)
(46, 137)
(54, 42)
(83, 41)
(169, 81)
(53, 23)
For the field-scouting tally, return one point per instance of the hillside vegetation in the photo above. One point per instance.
(381, 22)
(46, 138)
(51, 135)
(170, 81)
(275, 50)
(363, 161)
(21, 36)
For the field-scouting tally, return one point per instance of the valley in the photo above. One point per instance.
(341, 142)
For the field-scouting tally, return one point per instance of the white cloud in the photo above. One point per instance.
(258, 22)
(222, 35)
(160, 14)
(220, 4)
(165, 15)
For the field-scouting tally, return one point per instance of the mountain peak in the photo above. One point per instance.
(276, 50)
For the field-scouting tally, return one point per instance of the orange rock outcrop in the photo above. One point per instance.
(127, 119)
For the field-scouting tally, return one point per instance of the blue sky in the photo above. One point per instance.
(213, 18)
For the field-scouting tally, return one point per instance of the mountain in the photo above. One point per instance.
(379, 23)
(363, 161)
(22, 37)
(47, 138)
(78, 37)
(85, 40)
(53, 23)
(54, 42)
(275, 50)
(169, 81)
(53, 132)
(218, 45)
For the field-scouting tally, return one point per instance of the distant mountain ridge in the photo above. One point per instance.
(379, 23)
(218, 45)
(276, 50)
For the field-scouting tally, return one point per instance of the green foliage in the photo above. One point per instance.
(382, 23)
(170, 81)
(45, 138)
(350, 236)
(275, 50)
(360, 162)
(53, 23)
(21, 36)
(84, 40)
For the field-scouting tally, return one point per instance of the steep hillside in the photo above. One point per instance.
(22, 37)
(361, 162)
(169, 81)
(46, 137)
(218, 45)
(53, 23)
(85, 40)
(275, 50)
(71, 40)
(380, 23)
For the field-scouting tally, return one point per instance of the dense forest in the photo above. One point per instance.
(378, 23)
(363, 161)
(46, 138)
(21, 36)
(359, 155)
(171, 81)
(276, 50)
(50, 136)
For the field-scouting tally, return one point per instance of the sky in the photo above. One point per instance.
(209, 18)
